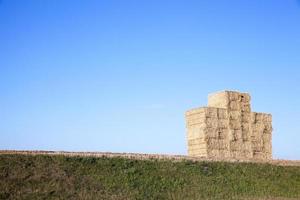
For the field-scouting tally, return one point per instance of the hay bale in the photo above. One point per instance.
(222, 113)
(196, 134)
(235, 124)
(236, 135)
(223, 133)
(218, 100)
(234, 115)
(195, 111)
(224, 153)
(258, 127)
(245, 117)
(213, 143)
(211, 112)
(233, 96)
(211, 123)
(245, 108)
(223, 123)
(267, 118)
(234, 105)
(236, 145)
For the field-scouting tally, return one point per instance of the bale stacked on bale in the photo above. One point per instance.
(238, 110)
(207, 132)
(228, 129)
(196, 126)
(261, 135)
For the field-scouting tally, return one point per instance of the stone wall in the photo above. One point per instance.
(228, 129)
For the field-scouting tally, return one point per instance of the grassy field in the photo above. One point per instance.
(61, 177)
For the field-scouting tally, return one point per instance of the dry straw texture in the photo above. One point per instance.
(228, 129)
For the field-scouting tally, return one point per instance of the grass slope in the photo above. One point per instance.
(60, 177)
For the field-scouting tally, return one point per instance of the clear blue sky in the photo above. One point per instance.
(118, 75)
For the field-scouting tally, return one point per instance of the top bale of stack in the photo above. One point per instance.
(224, 99)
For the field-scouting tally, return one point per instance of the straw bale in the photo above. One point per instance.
(253, 138)
(257, 143)
(211, 112)
(196, 122)
(217, 144)
(211, 132)
(214, 153)
(245, 108)
(258, 155)
(267, 118)
(235, 124)
(247, 145)
(267, 132)
(231, 135)
(268, 127)
(198, 141)
(222, 113)
(197, 128)
(268, 155)
(195, 111)
(218, 100)
(245, 126)
(196, 135)
(267, 137)
(234, 105)
(197, 148)
(246, 131)
(233, 96)
(234, 115)
(224, 153)
(246, 137)
(267, 147)
(245, 117)
(236, 154)
(252, 117)
(236, 135)
(247, 154)
(259, 127)
(244, 97)
(212, 123)
(197, 116)
(223, 133)
(256, 134)
(241, 154)
(259, 117)
(203, 146)
(236, 145)
(212, 143)
(257, 148)
(216, 133)
(198, 153)
(223, 123)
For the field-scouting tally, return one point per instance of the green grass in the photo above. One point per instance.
(60, 177)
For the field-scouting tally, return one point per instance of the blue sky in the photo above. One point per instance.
(118, 75)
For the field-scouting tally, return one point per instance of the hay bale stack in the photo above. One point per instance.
(228, 129)
(261, 135)
(238, 110)
(207, 131)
